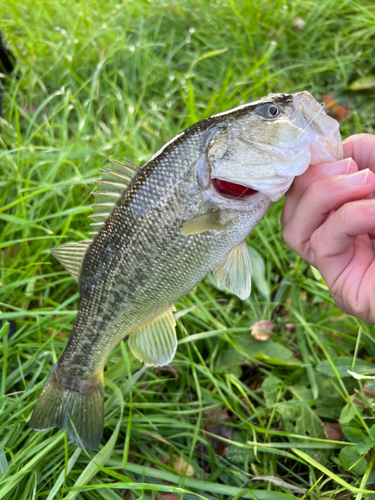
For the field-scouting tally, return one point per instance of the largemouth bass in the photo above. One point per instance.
(162, 228)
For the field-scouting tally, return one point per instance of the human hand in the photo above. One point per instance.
(329, 220)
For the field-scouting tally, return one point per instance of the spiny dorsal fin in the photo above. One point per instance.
(96, 227)
(234, 271)
(155, 344)
(106, 197)
(113, 183)
(103, 206)
(71, 256)
(130, 165)
(114, 175)
(202, 223)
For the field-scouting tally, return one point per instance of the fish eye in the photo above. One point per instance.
(270, 110)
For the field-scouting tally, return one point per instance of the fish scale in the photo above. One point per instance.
(169, 226)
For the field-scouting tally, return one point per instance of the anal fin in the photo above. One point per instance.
(155, 344)
(234, 271)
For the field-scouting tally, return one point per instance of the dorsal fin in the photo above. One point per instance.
(96, 227)
(114, 175)
(113, 183)
(70, 255)
(131, 166)
(105, 207)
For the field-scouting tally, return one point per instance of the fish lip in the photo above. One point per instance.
(314, 113)
(320, 125)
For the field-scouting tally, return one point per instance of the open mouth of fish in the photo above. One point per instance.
(231, 190)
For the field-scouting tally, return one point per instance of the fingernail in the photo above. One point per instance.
(338, 168)
(357, 178)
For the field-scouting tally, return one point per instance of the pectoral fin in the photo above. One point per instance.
(155, 344)
(202, 223)
(234, 271)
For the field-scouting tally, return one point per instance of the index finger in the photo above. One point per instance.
(361, 147)
(313, 174)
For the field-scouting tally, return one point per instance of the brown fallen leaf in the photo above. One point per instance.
(290, 327)
(261, 330)
(126, 494)
(355, 398)
(169, 496)
(332, 431)
(62, 335)
(369, 394)
(255, 381)
(181, 465)
(335, 110)
(220, 430)
(170, 369)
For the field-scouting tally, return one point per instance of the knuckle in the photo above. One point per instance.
(288, 236)
(313, 192)
(315, 242)
(351, 302)
(343, 214)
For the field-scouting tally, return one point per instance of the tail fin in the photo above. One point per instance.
(59, 406)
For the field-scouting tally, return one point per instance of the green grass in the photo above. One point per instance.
(98, 80)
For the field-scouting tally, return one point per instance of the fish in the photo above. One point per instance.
(160, 229)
